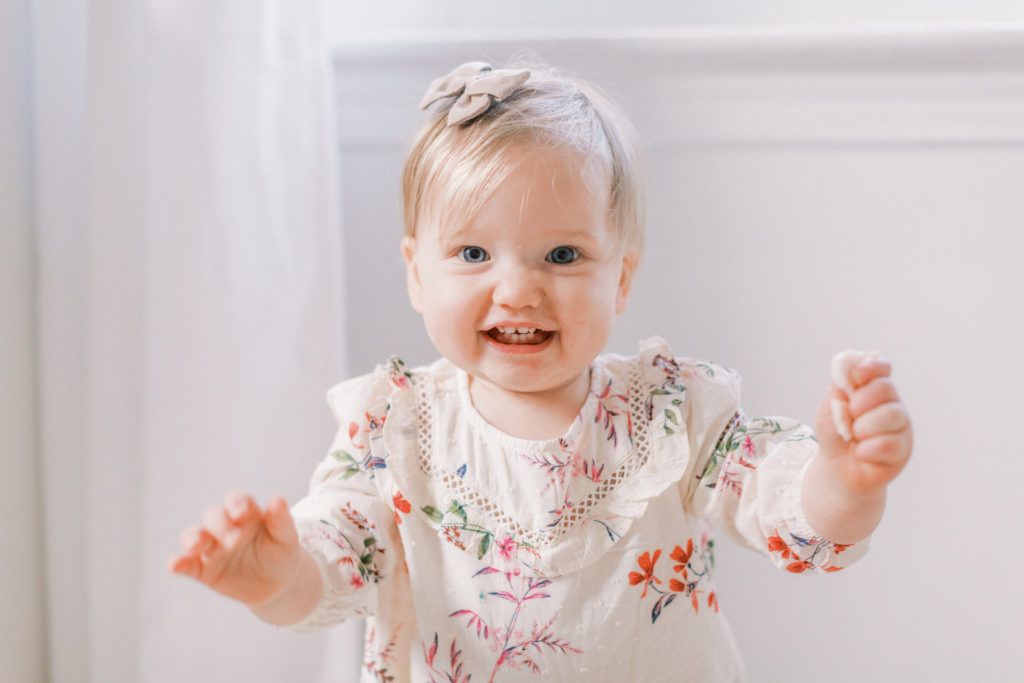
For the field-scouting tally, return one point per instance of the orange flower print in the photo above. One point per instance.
(693, 567)
(400, 505)
(807, 554)
(777, 545)
(647, 565)
(682, 557)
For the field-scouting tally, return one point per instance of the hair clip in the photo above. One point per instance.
(477, 86)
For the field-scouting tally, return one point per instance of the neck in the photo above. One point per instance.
(530, 415)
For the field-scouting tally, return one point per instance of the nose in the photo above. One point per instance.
(518, 286)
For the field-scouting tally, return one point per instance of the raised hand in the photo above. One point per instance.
(252, 555)
(845, 486)
(881, 430)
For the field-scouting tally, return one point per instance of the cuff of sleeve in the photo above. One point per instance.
(793, 544)
(344, 593)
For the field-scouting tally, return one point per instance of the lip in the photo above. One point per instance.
(515, 323)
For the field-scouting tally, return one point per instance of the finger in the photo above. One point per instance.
(280, 525)
(217, 523)
(891, 450)
(186, 566)
(878, 391)
(887, 418)
(824, 423)
(868, 369)
(240, 507)
(197, 541)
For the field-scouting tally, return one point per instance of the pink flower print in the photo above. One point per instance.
(356, 581)
(507, 547)
(608, 414)
(398, 375)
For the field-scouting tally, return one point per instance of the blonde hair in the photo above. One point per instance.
(451, 171)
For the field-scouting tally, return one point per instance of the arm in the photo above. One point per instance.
(253, 556)
(844, 489)
(750, 480)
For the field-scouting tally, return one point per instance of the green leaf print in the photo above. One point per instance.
(343, 456)
(457, 509)
(433, 513)
(485, 543)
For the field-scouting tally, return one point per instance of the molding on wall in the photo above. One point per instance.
(813, 86)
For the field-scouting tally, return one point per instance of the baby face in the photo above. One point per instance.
(524, 296)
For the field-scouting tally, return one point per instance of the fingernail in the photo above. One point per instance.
(237, 507)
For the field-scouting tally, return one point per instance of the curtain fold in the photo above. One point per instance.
(190, 316)
(22, 645)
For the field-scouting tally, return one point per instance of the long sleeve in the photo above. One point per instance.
(747, 475)
(343, 521)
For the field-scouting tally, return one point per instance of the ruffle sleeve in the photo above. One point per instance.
(343, 521)
(747, 473)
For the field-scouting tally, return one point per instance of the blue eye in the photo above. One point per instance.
(562, 255)
(473, 254)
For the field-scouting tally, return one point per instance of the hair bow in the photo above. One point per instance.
(477, 86)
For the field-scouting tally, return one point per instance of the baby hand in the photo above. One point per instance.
(879, 443)
(241, 551)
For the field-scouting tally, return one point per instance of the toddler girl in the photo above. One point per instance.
(525, 508)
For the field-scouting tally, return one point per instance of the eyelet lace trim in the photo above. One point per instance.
(494, 517)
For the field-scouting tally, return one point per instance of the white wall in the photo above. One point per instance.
(811, 190)
(21, 593)
(354, 19)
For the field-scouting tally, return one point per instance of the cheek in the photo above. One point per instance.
(591, 305)
(448, 308)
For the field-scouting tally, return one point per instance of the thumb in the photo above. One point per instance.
(824, 423)
(279, 521)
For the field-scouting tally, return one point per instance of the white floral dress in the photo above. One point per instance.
(478, 556)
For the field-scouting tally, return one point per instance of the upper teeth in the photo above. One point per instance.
(516, 330)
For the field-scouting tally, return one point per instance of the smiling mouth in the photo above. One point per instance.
(518, 335)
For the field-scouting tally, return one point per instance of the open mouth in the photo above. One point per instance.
(518, 335)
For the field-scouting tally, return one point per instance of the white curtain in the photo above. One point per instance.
(187, 305)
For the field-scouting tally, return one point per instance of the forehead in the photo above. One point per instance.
(519, 180)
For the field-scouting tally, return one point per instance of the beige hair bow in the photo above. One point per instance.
(477, 86)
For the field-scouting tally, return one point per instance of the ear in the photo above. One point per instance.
(412, 274)
(629, 263)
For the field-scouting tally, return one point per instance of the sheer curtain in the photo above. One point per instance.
(188, 313)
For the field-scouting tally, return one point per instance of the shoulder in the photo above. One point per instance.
(372, 389)
(659, 367)
(375, 390)
(703, 393)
